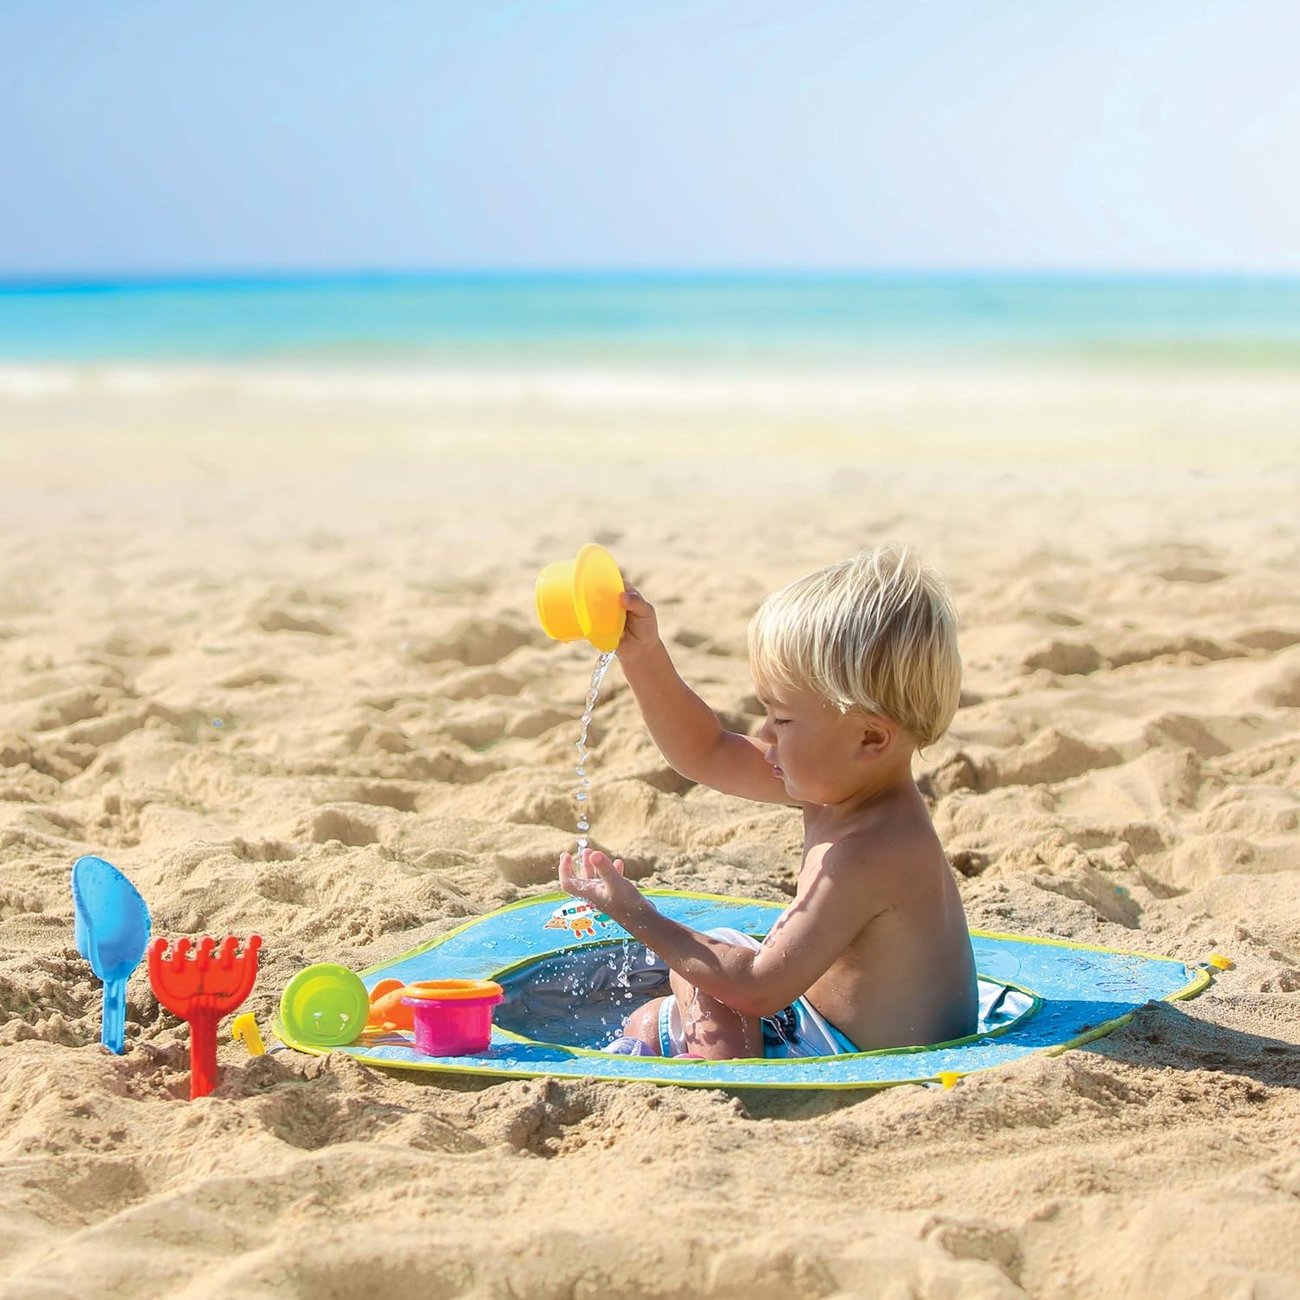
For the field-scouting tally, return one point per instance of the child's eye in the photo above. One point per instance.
(780, 722)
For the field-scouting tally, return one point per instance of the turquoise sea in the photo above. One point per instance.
(464, 319)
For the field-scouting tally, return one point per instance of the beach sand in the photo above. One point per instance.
(267, 643)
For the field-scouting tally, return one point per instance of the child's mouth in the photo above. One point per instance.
(778, 773)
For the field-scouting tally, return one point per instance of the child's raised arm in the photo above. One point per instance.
(685, 729)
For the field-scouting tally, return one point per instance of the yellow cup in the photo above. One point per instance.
(580, 598)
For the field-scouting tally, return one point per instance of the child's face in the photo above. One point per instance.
(815, 749)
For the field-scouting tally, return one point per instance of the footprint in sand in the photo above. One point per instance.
(976, 1240)
(474, 641)
(537, 722)
(689, 639)
(1065, 658)
(1189, 648)
(1270, 638)
(338, 824)
(478, 728)
(477, 683)
(28, 786)
(107, 730)
(48, 821)
(62, 762)
(262, 850)
(444, 766)
(67, 707)
(297, 611)
(1198, 573)
(120, 645)
(278, 619)
(1275, 759)
(367, 738)
(1049, 758)
(402, 798)
(1056, 617)
(1182, 731)
(1280, 687)
(250, 678)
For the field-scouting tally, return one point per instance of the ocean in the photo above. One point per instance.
(708, 321)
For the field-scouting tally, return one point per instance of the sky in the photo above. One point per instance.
(174, 137)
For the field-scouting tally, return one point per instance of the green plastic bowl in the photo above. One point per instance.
(324, 1005)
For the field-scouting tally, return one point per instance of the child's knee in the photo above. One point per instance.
(643, 1024)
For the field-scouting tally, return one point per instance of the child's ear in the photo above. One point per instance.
(877, 736)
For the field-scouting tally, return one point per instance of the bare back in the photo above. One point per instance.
(908, 975)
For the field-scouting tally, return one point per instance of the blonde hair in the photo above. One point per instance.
(875, 632)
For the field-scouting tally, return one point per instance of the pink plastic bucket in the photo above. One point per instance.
(453, 1017)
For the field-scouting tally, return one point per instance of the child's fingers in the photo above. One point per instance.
(600, 863)
(567, 873)
(576, 872)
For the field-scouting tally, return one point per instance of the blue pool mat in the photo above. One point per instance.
(1078, 993)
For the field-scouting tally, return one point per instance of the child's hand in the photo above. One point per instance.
(641, 631)
(599, 881)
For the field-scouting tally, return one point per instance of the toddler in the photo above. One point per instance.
(857, 668)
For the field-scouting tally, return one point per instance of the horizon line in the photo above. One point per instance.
(87, 281)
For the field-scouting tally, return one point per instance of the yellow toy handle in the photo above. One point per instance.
(243, 1029)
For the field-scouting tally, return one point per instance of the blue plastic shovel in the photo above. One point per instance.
(112, 931)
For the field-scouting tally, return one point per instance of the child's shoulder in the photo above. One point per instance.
(896, 834)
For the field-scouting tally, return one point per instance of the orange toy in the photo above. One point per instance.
(386, 1009)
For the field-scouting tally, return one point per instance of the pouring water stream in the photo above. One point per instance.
(582, 795)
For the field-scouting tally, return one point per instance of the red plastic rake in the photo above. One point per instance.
(201, 987)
